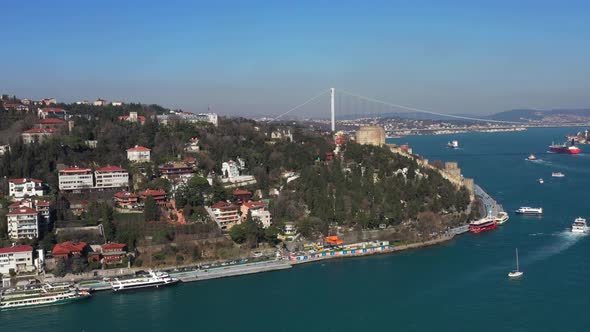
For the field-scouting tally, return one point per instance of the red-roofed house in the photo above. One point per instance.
(111, 177)
(258, 211)
(25, 187)
(113, 253)
(17, 258)
(241, 195)
(139, 154)
(36, 135)
(133, 117)
(51, 123)
(159, 195)
(23, 223)
(69, 249)
(51, 112)
(126, 200)
(226, 215)
(75, 179)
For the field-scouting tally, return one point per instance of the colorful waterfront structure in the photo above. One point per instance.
(357, 249)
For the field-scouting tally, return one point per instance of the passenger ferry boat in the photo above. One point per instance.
(482, 225)
(502, 217)
(529, 210)
(579, 226)
(557, 174)
(152, 280)
(46, 295)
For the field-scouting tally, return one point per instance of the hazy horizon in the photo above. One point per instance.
(258, 58)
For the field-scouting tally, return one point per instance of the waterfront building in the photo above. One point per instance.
(113, 253)
(25, 187)
(17, 258)
(226, 215)
(138, 154)
(126, 200)
(69, 249)
(111, 177)
(75, 179)
(36, 135)
(23, 223)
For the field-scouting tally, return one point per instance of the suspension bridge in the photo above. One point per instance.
(343, 101)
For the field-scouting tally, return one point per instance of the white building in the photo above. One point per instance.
(192, 145)
(111, 177)
(282, 134)
(117, 103)
(26, 187)
(226, 215)
(23, 223)
(138, 154)
(75, 178)
(230, 169)
(262, 216)
(188, 117)
(4, 149)
(99, 102)
(17, 258)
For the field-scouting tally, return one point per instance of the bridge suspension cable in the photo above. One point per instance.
(422, 110)
(302, 104)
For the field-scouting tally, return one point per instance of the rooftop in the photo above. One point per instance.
(18, 248)
(22, 210)
(68, 247)
(24, 180)
(111, 168)
(139, 148)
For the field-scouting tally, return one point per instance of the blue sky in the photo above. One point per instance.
(263, 57)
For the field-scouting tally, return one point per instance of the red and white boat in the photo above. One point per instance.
(564, 148)
(483, 225)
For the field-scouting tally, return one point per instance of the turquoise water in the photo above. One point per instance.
(458, 286)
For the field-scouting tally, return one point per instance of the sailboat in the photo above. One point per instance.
(516, 273)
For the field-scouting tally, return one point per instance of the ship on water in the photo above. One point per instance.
(483, 225)
(454, 144)
(565, 148)
(151, 280)
(46, 295)
(526, 210)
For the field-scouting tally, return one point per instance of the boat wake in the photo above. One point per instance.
(566, 239)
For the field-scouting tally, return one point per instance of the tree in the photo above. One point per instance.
(106, 213)
(60, 267)
(151, 211)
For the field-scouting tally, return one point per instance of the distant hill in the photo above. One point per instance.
(525, 115)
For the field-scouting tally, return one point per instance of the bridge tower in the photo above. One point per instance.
(333, 117)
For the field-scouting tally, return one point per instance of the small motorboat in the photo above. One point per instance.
(541, 181)
(531, 157)
(557, 175)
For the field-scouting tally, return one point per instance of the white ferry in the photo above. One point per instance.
(579, 226)
(502, 217)
(529, 210)
(152, 280)
(46, 295)
(557, 174)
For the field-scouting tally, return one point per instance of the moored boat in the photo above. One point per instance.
(43, 296)
(502, 217)
(151, 280)
(529, 210)
(482, 225)
(579, 226)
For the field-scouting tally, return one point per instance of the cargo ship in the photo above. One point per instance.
(564, 148)
(483, 225)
